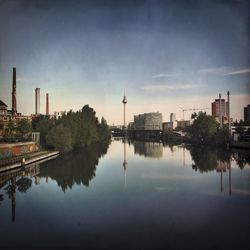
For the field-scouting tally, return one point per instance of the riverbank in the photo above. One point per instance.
(23, 160)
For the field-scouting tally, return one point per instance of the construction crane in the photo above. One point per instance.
(194, 109)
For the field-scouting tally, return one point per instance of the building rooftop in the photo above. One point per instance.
(3, 104)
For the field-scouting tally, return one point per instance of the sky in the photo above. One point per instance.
(165, 55)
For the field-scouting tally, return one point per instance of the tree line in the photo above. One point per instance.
(72, 130)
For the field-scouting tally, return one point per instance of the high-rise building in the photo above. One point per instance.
(37, 101)
(172, 117)
(216, 108)
(148, 121)
(47, 104)
(247, 113)
(14, 108)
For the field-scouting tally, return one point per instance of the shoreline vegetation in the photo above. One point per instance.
(71, 131)
(205, 130)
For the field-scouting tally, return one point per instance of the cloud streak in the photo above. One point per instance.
(237, 72)
(164, 75)
(164, 87)
(225, 71)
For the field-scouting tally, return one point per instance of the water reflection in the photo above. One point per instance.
(76, 167)
(21, 180)
(125, 163)
(148, 149)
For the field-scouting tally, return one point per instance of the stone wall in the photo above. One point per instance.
(8, 150)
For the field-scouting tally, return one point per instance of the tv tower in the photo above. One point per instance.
(124, 101)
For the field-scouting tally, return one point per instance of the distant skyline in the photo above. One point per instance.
(166, 55)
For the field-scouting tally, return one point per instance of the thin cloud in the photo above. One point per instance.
(164, 75)
(241, 71)
(162, 87)
(22, 79)
(215, 71)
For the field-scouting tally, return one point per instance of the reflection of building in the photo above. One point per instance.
(18, 179)
(247, 113)
(148, 149)
(148, 121)
(222, 166)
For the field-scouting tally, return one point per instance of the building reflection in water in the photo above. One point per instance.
(20, 179)
(222, 167)
(148, 149)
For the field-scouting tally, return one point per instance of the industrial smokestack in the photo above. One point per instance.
(14, 109)
(228, 114)
(37, 101)
(47, 104)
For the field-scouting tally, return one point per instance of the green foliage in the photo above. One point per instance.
(59, 138)
(43, 124)
(204, 159)
(83, 125)
(24, 127)
(194, 115)
(169, 136)
(204, 128)
(11, 128)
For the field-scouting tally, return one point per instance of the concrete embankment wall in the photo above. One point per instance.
(8, 150)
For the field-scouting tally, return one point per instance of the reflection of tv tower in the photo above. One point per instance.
(124, 101)
(125, 164)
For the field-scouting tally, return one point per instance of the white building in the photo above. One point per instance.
(148, 121)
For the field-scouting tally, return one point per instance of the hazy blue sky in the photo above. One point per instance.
(165, 54)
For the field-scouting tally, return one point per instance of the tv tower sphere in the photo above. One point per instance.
(124, 101)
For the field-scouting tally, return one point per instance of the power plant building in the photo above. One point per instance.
(148, 121)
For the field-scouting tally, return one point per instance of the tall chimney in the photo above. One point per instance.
(37, 101)
(228, 114)
(14, 110)
(47, 104)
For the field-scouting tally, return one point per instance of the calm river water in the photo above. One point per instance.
(137, 194)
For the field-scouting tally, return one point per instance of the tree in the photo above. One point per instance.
(103, 130)
(11, 128)
(204, 127)
(59, 138)
(43, 124)
(194, 115)
(24, 127)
